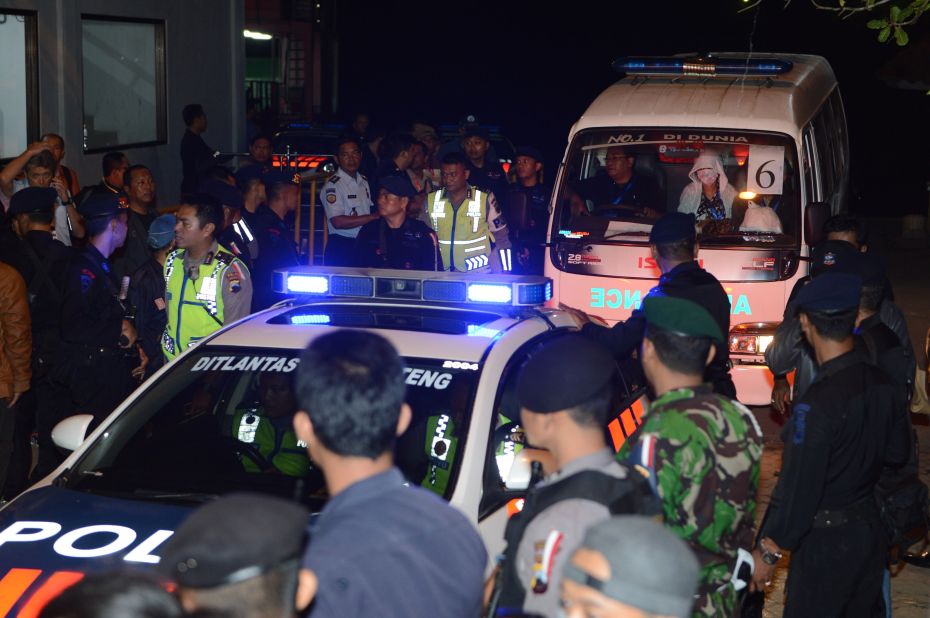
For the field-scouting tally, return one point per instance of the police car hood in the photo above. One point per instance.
(49, 530)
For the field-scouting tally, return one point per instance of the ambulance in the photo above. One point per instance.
(772, 127)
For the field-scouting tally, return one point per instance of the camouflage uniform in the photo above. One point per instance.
(703, 452)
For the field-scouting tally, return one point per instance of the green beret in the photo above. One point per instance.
(681, 317)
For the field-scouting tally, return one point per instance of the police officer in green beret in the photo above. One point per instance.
(565, 391)
(702, 450)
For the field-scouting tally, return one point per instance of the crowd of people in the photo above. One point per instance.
(101, 287)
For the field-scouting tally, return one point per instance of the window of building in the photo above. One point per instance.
(19, 98)
(124, 82)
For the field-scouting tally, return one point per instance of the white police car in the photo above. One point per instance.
(218, 419)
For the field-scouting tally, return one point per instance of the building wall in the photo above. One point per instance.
(204, 64)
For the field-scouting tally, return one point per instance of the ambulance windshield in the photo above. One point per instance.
(742, 187)
(222, 420)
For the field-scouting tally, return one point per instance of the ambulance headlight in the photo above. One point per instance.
(752, 338)
(490, 293)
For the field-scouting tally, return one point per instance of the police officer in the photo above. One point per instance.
(565, 391)
(236, 556)
(484, 171)
(526, 206)
(471, 230)
(206, 286)
(147, 292)
(396, 240)
(43, 263)
(276, 247)
(702, 450)
(847, 425)
(268, 426)
(346, 198)
(397, 152)
(237, 236)
(97, 334)
(673, 245)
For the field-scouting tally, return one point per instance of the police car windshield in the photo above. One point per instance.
(743, 187)
(221, 421)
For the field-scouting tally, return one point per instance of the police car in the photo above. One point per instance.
(218, 419)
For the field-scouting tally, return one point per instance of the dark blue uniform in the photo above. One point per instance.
(276, 250)
(409, 247)
(527, 212)
(490, 178)
(97, 372)
(691, 282)
(147, 297)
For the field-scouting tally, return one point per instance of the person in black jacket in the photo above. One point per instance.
(395, 240)
(147, 294)
(674, 247)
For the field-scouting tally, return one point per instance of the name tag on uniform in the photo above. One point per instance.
(208, 290)
(160, 304)
(353, 197)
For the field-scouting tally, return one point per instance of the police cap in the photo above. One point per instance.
(832, 254)
(680, 316)
(529, 151)
(33, 199)
(225, 194)
(103, 205)
(397, 185)
(473, 130)
(651, 569)
(276, 177)
(162, 231)
(830, 292)
(672, 227)
(564, 373)
(232, 539)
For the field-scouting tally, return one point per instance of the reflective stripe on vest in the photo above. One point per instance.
(463, 234)
(195, 308)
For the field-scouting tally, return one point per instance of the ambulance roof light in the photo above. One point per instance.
(703, 66)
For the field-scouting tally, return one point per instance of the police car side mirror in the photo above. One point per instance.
(70, 433)
(815, 215)
(329, 167)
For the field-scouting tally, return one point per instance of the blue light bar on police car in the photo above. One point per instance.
(308, 284)
(501, 293)
(310, 318)
(706, 66)
(404, 285)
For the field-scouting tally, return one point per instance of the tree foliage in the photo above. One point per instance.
(891, 19)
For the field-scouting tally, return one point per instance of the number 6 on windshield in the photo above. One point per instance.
(766, 169)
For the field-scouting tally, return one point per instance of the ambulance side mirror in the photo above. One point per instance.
(815, 215)
(70, 433)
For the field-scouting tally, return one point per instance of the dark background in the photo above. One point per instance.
(532, 69)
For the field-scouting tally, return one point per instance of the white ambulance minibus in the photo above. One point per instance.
(771, 129)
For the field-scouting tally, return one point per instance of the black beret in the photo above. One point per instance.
(397, 185)
(103, 205)
(681, 317)
(225, 194)
(831, 291)
(672, 227)
(564, 373)
(234, 538)
(529, 151)
(33, 199)
(831, 254)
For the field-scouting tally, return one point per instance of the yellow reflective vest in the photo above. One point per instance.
(464, 236)
(194, 308)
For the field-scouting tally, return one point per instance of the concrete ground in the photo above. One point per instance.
(909, 269)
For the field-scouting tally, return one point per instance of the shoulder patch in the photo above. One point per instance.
(331, 198)
(87, 279)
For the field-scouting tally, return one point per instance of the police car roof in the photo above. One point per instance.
(782, 103)
(417, 330)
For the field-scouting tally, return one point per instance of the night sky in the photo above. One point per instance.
(533, 70)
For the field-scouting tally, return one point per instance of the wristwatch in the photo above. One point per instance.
(768, 557)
